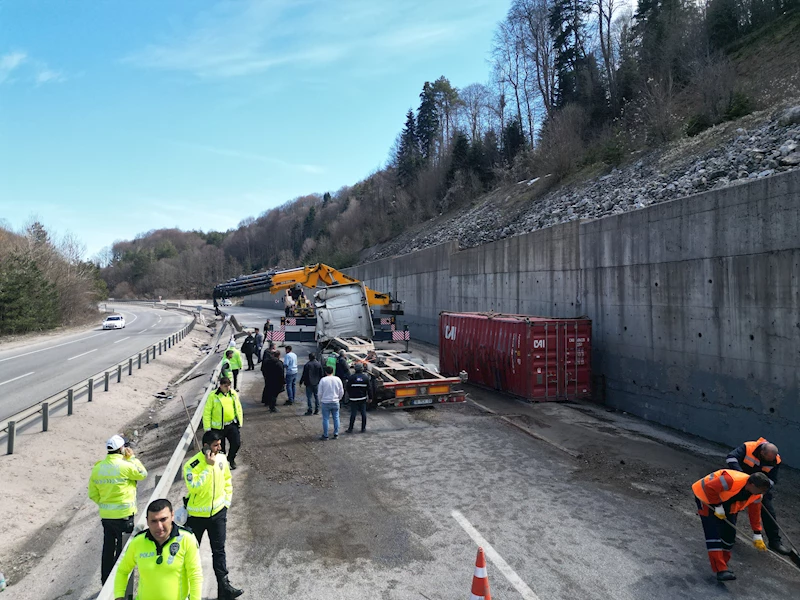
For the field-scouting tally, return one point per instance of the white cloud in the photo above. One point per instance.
(9, 62)
(46, 75)
(30, 68)
(249, 37)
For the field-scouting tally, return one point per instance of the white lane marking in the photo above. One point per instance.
(15, 378)
(122, 340)
(48, 348)
(84, 354)
(493, 556)
(135, 316)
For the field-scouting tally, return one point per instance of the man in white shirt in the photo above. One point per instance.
(290, 377)
(330, 392)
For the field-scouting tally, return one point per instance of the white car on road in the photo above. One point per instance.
(114, 322)
(227, 302)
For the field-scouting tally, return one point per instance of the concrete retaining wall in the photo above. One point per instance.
(695, 304)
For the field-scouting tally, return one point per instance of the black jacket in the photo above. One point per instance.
(249, 345)
(272, 370)
(312, 373)
(342, 369)
(359, 387)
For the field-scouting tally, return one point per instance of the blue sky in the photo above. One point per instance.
(121, 117)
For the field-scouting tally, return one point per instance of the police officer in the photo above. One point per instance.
(235, 358)
(762, 457)
(223, 412)
(227, 362)
(112, 486)
(359, 388)
(208, 481)
(167, 556)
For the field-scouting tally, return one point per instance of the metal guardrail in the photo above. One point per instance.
(87, 386)
(166, 479)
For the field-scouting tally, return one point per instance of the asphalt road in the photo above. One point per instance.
(400, 511)
(41, 369)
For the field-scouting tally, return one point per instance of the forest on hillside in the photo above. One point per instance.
(45, 282)
(573, 83)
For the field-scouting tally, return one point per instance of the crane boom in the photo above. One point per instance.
(309, 276)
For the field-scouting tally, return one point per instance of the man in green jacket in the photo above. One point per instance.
(167, 556)
(209, 483)
(223, 413)
(112, 486)
(236, 364)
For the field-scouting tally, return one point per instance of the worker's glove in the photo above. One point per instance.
(758, 542)
(719, 512)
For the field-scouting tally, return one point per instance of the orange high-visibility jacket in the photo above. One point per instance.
(720, 486)
(751, 461)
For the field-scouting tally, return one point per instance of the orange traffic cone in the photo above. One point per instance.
(480, 581)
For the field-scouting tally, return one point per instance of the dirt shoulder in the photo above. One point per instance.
(45, 480)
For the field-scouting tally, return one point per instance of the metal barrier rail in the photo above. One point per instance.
(102, 378)
(166, 479)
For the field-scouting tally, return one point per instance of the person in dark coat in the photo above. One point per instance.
(248, 349)
(272, 370)
(343, 373)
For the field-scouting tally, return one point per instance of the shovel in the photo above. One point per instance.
(793, 555)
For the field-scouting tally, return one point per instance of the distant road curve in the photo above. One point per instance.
(39, 370)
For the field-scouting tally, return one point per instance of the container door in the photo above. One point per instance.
(575, 371)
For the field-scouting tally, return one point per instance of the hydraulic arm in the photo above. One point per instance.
(309, 276)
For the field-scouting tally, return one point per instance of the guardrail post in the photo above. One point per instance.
(159, 348)
(147, 356)
(45, 416)
(130, 367)
(158, 479)
(12, 433)
(154, 351)
(90, 389)
(119, 373)
(106, 388)
(70, 401)
(140, 361)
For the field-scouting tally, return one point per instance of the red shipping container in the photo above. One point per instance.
(538, 358)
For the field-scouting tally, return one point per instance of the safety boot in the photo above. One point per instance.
(777, 546)
(725, 576)
(225, 591)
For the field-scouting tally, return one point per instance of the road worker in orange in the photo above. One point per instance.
(762, 457)
(720, 496)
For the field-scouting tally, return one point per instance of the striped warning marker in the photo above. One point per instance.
(480, 581)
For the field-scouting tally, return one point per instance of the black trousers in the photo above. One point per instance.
(216, 526)
(235, 378)
(250, 365)
(113, 530)
(357, 406)
(232, 434)
(769, 521)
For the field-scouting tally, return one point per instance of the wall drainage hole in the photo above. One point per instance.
(677, 388)
(772, 410)
(752, 337)
(699, 335)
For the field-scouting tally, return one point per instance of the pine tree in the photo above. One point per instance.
(460, 156)
(722, 23)
(28, 302)
(427, 122)
(513, 140)
(567, 23)
(407, 159)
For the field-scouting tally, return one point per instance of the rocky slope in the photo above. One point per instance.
(759, 145)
